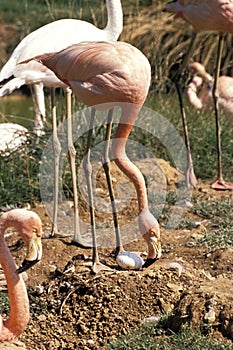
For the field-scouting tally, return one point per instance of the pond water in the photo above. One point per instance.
(17, 109)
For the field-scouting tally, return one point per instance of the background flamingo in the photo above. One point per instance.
(12, 136)
(29, 226)
(209, 15)
(103, 75)
(52, 37)
(199, 90)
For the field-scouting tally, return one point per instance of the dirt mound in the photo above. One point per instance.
(73, 309)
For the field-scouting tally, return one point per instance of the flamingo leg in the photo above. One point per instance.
(190, 175)
(39, 105)
(220, 184)
(96, 264)
(106, 166)
(57, 152)
(72, 153)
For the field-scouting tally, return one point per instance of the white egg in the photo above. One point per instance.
(129, 261)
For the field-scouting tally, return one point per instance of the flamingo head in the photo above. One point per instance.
(199, 69)
(28, 225)
(31, 233)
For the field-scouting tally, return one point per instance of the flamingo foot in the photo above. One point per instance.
(117, 251)
(222, 185)
(81, 245)
(191, 179)
(98, 266)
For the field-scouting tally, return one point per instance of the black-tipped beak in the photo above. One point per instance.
(34, 253)
(26, 264)
(149, 262)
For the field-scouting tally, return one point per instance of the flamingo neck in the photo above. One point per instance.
(127, 120)
(115, 19)
(148, 225)
(19, 304)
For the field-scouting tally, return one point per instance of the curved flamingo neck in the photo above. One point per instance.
(127, 120)
(19, 303)
(148, 225)
(114, 25)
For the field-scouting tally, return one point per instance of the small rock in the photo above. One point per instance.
(188, 204)
(39, 289)
(151, 319)
(174, 287)
(209, 316)
(41, 318)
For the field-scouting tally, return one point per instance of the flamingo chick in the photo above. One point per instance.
(29, 227)
(104, 75)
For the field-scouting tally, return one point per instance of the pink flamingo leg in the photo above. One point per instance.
(97, 266)
(57, 152)
(179, 78)
(220, 183)
(106, 166)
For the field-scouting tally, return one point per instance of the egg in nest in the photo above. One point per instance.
(129, 261)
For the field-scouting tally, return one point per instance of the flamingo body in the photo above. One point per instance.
(29, 226)
(101, 72)
(204, 15)
(12, 136)
(199, 90)
(54, 36)
(112, 73)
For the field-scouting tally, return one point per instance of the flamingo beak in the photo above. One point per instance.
(154, 249)
(34, 253)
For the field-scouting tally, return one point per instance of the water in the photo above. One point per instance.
(17, 109)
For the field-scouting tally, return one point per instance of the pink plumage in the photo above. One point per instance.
(112, 73)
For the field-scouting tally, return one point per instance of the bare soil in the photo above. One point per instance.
(72, 308)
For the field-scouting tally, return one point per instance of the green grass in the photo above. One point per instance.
(37, 12)
(155, 338)
(202, 134)
(19, 174)
(220, 214)
(22, 174)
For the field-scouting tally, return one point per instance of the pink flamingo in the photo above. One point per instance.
(28, 225)
(202, 81)
(104, 75)
(52, 37)
(208, 15)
